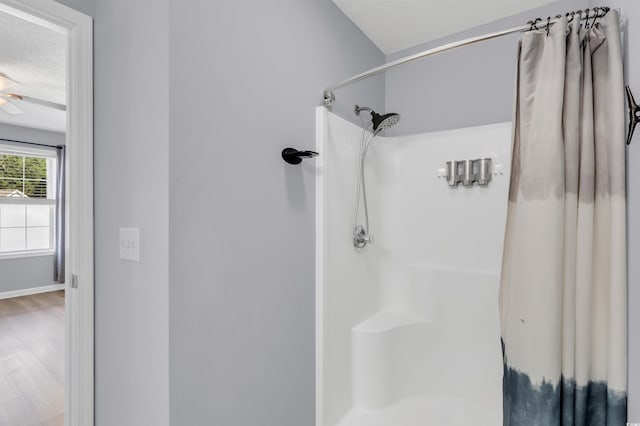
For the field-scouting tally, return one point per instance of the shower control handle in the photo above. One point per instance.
(361, 238)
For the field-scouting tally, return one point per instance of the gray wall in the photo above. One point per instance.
(131, 78)
(26, 134)
(470, 86)
(631, 12)
(245, 78)
(132, 190)
(85, 6)
(27, 272)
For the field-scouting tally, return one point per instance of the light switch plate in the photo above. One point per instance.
(130, 244)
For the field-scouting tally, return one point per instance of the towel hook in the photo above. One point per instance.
(634, 114)
(293, 156)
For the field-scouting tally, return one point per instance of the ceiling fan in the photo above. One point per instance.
(7, 99)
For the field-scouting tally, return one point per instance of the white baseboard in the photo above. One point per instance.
(31, 291)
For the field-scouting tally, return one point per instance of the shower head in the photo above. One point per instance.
(379, 122)
(382, 122)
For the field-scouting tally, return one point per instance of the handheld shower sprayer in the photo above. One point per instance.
(378, 123)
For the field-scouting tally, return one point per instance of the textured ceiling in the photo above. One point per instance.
(399, 24)
(35, 57)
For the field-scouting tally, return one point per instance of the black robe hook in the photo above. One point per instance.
(634, 115)
(293, 156)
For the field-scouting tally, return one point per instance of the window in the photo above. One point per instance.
(27, 201)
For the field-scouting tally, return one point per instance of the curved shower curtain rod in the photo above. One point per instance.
(586, 15)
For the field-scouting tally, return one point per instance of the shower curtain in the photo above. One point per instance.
(563, 286)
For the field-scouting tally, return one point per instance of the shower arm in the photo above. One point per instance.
(358, 109)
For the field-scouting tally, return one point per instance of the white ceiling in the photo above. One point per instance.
(35, 57)
(395, 25)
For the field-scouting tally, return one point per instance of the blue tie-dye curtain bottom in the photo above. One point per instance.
(563, 298)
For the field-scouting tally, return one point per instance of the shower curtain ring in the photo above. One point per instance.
(595, 15)
(579, 13)
(603, 13)
(548, 25)
(587, 12)
(535, 24)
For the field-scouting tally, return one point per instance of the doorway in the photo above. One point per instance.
(72, 300)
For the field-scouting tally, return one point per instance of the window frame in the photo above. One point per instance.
(12, 148)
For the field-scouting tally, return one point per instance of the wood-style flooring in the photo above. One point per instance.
(32, 360)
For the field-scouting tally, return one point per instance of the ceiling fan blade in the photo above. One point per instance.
(37, 101)
(9, 107)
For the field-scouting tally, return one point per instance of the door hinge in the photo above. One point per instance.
(74, 281)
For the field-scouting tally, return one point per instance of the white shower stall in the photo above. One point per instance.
(408, 328)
